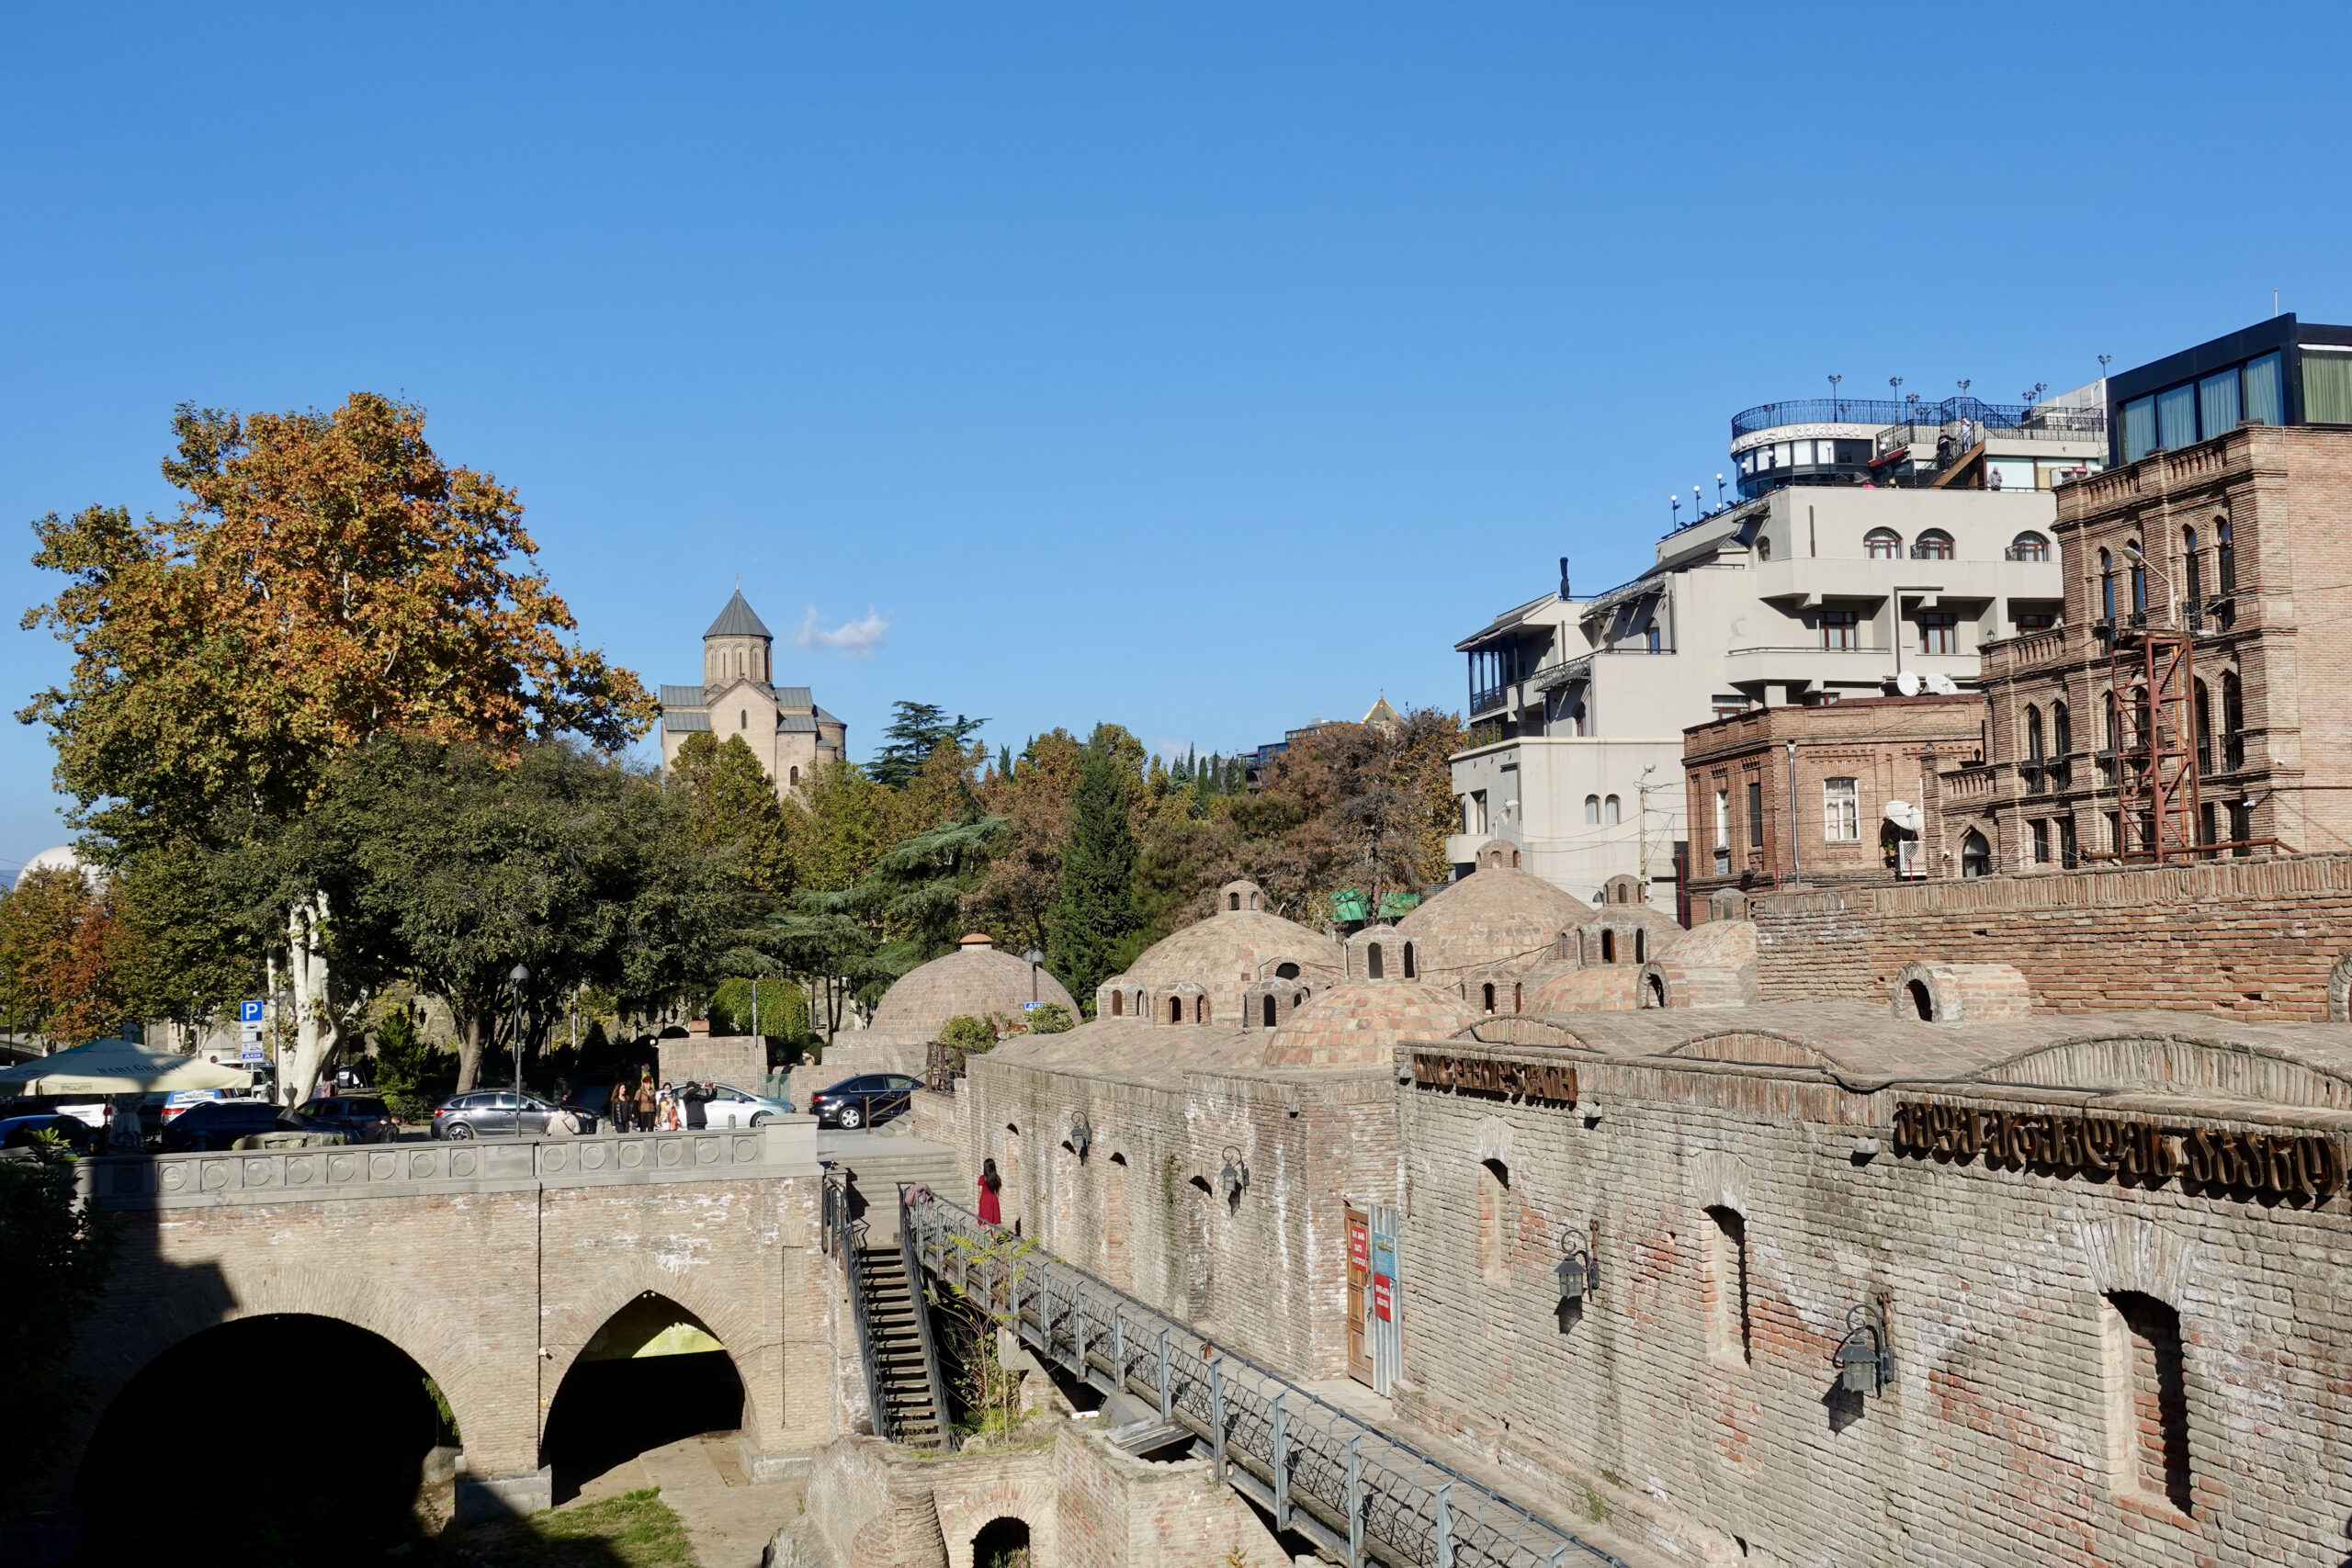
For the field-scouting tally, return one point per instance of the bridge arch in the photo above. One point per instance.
(652, 1372)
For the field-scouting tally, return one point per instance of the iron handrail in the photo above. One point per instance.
(844, 1236)
(931, 1366)
(1352, 1488)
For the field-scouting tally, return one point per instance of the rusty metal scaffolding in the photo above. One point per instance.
(2153, 675)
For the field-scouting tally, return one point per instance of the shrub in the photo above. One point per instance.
(967, 1032)
(1050, 1017)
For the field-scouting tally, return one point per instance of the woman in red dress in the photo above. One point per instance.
(991, 1213)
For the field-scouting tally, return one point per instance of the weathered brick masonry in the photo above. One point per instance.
(2247, 939)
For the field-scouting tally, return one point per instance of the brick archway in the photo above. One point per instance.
(758, 1357)
(1029, 1498)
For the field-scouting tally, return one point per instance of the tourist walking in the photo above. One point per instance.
(621, 1105)
(991, 1212)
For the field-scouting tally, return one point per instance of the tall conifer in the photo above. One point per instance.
(1097, 907)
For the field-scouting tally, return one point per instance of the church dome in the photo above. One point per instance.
(974, 980)
(1497, 918)
(1359, 1023)
(1210, 962)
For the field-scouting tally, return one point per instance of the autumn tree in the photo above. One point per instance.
(1036, 796)
(1094, 912)
(326, 580)
(62, 951)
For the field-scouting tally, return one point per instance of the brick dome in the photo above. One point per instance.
(974, 980)
(1359, 1023)
(1216, 960)
(1567, 988)
(1497, 918)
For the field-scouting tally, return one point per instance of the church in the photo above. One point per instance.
(783, 725)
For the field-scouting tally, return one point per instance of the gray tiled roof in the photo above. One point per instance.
(795, 724)
(793, 697)
(828, 718)
(738, 619)
(682, 697)
(685, 723)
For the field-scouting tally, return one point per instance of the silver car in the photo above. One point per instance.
(733, 1107)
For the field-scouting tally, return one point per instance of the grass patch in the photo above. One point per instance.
(636, 1530)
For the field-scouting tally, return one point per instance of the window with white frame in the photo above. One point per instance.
(1842, 811)
(1723, 819)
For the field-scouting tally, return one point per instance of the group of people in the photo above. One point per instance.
(642, 1108)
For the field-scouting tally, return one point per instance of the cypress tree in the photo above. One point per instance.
(1096, 908)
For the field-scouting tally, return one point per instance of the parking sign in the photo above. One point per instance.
(249, 1013)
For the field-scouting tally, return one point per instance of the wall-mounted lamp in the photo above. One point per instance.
(1865, 1360)
(1082, 1133)
(1234, 1178)
(1579, 1270)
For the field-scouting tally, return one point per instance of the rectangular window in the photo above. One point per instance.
(2042, 844)
(2139, 428)
(2241, 828)
(1755, 816)
(2147, 1399)
(1723, 819)
(2114, 832)
(1730, 1339)
(2217, 403)
(2327, 386)
(1940, 631)
(2264, 391)
(1842, 811)
(1656, 639)
(2067, 855)
(1839, 630)
(2176, 416)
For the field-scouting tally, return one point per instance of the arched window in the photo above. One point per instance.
(1409, 971)
(1490, 996)
(743, 720)
(1285, 970)
(1641, 947)
(1175, 1009)
(2139, 576)
(1608, 945)
(2114, 724)
(1199, 1009)
(1933, 544)
(2226, 558)
(1516, 998)
(1268, 1012)
(1118, 1004)
(1975, 855)
(2029, 546)
(2148, 1399)
(1374, 965)
(2106, 586)
(795, 775)
(1233, 901)
(2232, 722)
(1730, 1338)
(2204, 728)
(2032, 733)
(2196, 571)
(1592, 809)
(1882, 544)
(1610, 811)
(2062, 730)
(1494, 1217)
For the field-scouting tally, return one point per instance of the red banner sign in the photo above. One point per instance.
(1383, 1305)
(1359, 1247)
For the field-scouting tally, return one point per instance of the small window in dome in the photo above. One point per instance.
(1269, 1012)
(1118, 1004)
(1409, 961)
(1609, 947)
(1233, 901)
(1373, 965)
(1175, 1009)
(1490, 996)
(1285, 970)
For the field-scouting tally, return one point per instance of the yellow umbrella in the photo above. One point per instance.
(117, 1067)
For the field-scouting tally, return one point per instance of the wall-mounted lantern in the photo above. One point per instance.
(1234, 1178)
(1579, 1269)
(1865, 1360)
(1082, 1134)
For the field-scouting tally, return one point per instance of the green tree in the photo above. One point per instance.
(916, 730)
(327, 579)
(777, 1011)
(732, 806)
(1095, 913)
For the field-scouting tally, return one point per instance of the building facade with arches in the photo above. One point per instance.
(739, 698)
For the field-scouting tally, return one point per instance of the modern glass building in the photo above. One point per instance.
(2281, 371)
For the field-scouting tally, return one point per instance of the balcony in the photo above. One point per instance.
(1844, 665)
(1888, 410)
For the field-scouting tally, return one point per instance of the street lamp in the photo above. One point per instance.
(1033, 958)
(518, 977)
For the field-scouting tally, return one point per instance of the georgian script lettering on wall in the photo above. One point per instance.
(2293, 1167)
(1545, 1083)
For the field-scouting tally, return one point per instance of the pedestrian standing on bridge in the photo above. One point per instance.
(645, 1122)
(692, 1099)
(991, 1212)
(621, 1104)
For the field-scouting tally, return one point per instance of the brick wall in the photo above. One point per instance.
(1992, 1447)
(2253, 938)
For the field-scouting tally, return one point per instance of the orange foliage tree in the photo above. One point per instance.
(61, 956)
(328, 579)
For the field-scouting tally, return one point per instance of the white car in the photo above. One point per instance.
(731, 1107)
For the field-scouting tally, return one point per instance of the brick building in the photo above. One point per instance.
(1851, 805)
(2178, 703)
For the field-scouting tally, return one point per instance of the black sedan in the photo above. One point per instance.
(18, 1132)
(862, 1101)
(492, 1113)
(218, 1124)
(363, 1118)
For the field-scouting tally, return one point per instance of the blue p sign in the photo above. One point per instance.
(249, 1013)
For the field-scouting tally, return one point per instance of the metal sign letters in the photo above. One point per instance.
(2281, 1164)
(1548, 1083)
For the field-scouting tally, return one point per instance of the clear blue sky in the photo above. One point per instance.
(1204, 369)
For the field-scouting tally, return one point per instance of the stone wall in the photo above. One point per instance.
(738, 1060)
(1692, 1401)
(2254, 939)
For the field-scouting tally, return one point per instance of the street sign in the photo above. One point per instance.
(251, 1053)
(1031, 1006)
(249, 1013)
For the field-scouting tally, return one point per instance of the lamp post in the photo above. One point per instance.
(1836, 413)
(1033, 958)
(518, 977)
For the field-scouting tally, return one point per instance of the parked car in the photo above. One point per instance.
(18, 1131)
(179, 1099)
(733, 1107)
(492, 1113)
(363, 1118)
(218, 1124)
(593, 1103)
(862, 1101)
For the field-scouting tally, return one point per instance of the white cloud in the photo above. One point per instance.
(857, 639)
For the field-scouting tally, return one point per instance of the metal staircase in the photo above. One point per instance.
(905, 1389)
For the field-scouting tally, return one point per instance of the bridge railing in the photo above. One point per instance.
(845, 1235)
(1359, 1493)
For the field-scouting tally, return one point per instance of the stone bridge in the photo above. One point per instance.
(491, 1264)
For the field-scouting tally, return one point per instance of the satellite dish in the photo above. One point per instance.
(1903, 815)
(1943, 685)
(1907, 683)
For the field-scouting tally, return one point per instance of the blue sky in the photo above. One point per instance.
(1204, 369)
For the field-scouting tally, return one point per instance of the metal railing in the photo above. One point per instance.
(1349, 1487)
(1879, 411)
(844, 1236)
(934, 1373)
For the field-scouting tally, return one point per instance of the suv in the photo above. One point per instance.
(362, 1119)
(862, 1101)
(491, 1114)
(218, 1124)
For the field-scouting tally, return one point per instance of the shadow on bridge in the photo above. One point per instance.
(652, 1375)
